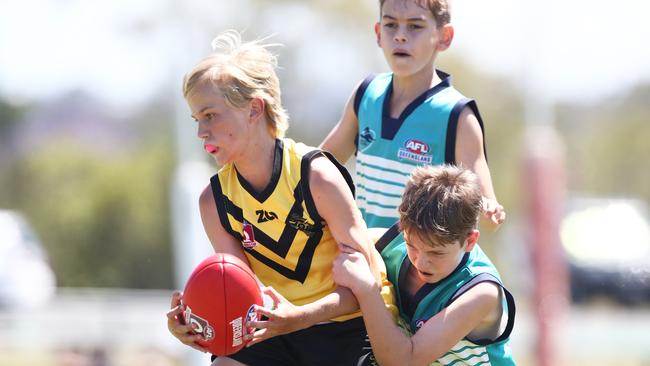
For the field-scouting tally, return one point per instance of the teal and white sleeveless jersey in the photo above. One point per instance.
(389, 148)
(432, 298)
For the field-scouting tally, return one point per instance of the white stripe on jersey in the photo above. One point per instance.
(480, 354)
(385, 175)
(384, 163)
(376, 210)
(364, 183)
(379, 198)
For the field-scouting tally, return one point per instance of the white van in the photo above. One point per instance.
(607, 244)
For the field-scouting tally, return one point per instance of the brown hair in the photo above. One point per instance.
(242, 72)
(441, 204)
(439, 9)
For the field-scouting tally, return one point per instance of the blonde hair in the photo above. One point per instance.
(242, 71)
(441, 204)
(439, 9)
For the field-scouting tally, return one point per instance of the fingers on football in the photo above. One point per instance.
(260, 310)
(177, 297)
(257, 337)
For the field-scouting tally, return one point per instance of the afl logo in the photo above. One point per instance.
(416, 146)
(415, 150)
(419, 323)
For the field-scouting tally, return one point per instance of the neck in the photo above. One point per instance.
(257, 165)
(411, 86)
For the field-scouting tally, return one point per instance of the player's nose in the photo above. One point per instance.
(202, 130)
(400, 35)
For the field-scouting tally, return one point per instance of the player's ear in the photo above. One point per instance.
(378, 33)
(446, 34)
(257, 108)
(472, 239)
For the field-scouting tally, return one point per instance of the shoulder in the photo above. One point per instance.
(470, 128)
(322, 171)
(468, 113)
(206, 199)
(482, 298)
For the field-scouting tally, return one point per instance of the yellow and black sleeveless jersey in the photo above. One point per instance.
(287, 243)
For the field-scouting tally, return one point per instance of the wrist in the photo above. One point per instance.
(364, 289)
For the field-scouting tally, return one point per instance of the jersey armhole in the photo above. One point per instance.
(510, 304)
(358, 96)
(220, 202)
(361, 90)
(305, 168)
(388, 237)
(452, 129)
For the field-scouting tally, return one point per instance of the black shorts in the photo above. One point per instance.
(331, 344)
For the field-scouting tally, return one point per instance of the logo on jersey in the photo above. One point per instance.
(198, 324)
(264, 216)
(415, 150)
(248, 236)
(300, 223)
(419, 323)
(366, 138)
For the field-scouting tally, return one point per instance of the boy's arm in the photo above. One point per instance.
(221, 240)
(340, 140)
(438, 335)
(335, 204)
(470, 155)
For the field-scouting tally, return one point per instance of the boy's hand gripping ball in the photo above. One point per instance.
(219, 297)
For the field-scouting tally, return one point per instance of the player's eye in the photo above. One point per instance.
(415, 26)
(390, 25)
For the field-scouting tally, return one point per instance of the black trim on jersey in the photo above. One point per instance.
(390, 125)
(452, 129)
(305, 168)
(410, 303)
(304, 261)
(275, 175)
(281, 247)
(361, 90)
(220, 201)
(388, 236)
(510, 301)
(358, 96)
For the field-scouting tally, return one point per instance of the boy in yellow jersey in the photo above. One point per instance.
(411, 116)
(280, 206)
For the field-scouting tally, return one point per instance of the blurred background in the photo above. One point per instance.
(100, 168)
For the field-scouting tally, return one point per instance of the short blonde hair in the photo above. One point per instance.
(439, 9)
(242, 72)
(441, 204)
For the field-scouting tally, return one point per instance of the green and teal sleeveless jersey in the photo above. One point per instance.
(389, 148)
(434, 297)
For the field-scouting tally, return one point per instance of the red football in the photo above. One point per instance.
(219, 297)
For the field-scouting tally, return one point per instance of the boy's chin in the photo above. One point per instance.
(404, 70)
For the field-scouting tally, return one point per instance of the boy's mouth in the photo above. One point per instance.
(400, 53)
(211, 149)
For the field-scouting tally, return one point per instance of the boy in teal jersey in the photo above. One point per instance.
(448, 292)
(412, 116)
